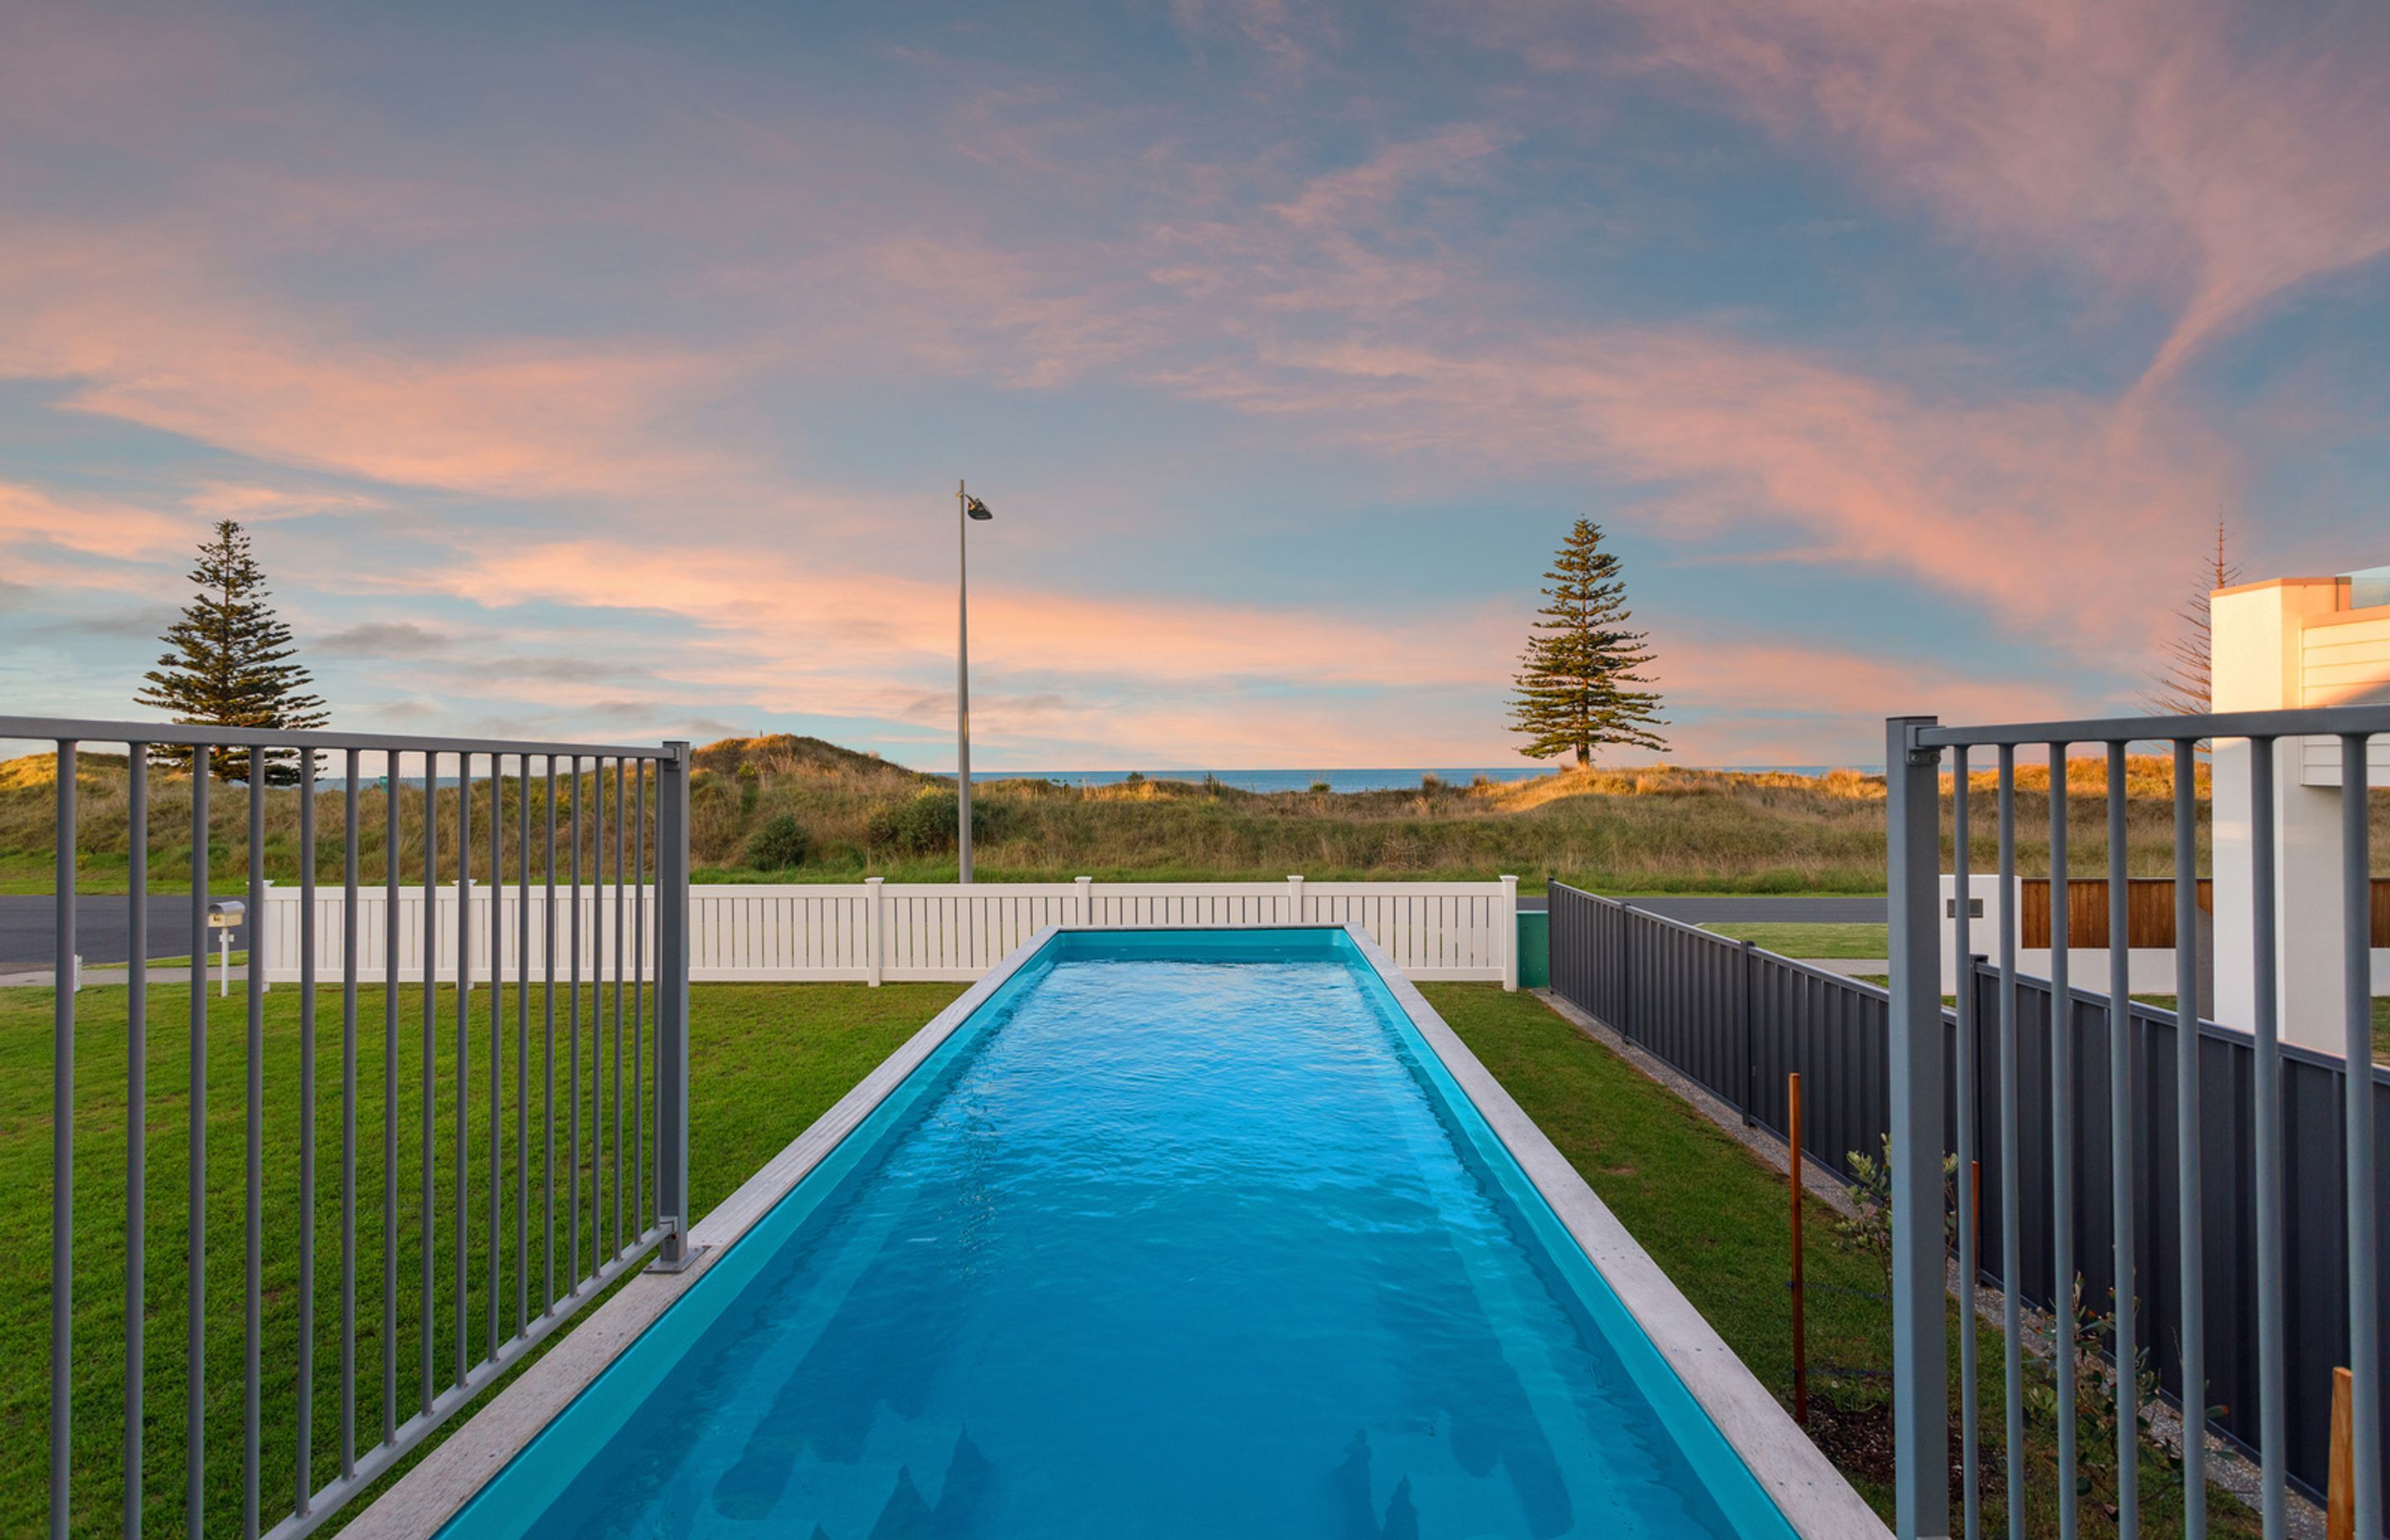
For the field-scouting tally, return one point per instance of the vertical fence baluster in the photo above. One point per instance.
(2364, 1303)
(497, 1039)
(303, 1441)
(460, 1220)
(572, 1051)
(522, 1044)
(136, 1114)
(394, 815)
(195, 1425)
(2011, 1205)
(1920, 1313)
(638, 995)
(547, 1001)
(252, 1337)
(2121, 1147)
(349, 1120)
(62, 1014)
(2266, 1092)
(427, 1302)
(621, 822)
(2186, 1139)
(672, 1005)
(597, 1017)
(1970, 1265)
(2062, 1141)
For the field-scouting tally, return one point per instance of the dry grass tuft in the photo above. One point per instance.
(1632, 830)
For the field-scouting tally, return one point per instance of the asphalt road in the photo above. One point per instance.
(102, 927)
(1744, 908)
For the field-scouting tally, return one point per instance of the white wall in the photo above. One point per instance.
(2262, 659)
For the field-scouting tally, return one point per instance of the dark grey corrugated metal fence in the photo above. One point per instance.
(290, 1479)
(1737, 1019)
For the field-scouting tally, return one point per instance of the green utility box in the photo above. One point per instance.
(1534, 949)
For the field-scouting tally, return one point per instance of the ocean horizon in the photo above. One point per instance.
(1377, 778)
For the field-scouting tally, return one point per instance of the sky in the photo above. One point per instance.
(605, 372)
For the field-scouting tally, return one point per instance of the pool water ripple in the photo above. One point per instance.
(1162, 1249)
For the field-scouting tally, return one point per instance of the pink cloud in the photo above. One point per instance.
(2162, 145)
(150, 336)
(1973, 498)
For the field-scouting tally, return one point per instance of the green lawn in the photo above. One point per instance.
(1714, 1218)
(767, 1059)
(1811, 941)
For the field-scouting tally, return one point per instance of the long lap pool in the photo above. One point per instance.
(1177, 1234)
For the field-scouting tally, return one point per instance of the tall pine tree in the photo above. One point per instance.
(1579, 680)
(228, 662)
(2181, 685)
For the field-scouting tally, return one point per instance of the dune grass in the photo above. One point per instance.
(1653, 830)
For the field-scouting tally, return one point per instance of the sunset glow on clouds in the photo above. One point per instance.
(601, 373)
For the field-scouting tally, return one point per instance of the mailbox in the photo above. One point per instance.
(223, 919)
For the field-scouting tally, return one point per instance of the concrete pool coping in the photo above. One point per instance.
(1812, 1494)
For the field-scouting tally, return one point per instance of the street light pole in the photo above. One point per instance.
(967, 507)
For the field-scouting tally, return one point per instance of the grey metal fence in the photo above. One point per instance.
(516, 1267)
(2176, 1216)
(1737, 1019)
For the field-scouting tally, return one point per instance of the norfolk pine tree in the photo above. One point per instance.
(2180, 685)
(228, 662)
(1578, 679)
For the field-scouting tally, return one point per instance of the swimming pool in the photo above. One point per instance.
(1176, 1233)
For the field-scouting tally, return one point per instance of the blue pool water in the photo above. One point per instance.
(1178, 1235)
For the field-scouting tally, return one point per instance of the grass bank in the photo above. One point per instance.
(1652, 830)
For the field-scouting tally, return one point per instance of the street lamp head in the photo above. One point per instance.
(976, 508)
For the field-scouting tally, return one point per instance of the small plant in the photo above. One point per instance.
(1319, 787)
(1431, 781)
(779, 844)
(2095, 1409)
(1870, 1228)
(751, 785)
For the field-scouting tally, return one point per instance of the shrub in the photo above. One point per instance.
(924, 825)
(780, 843)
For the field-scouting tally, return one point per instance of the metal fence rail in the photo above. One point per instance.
(467, 1324)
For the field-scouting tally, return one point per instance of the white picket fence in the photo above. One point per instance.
(874, 930)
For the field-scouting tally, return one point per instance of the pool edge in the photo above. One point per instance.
(473, 1453)
(1814, 1497)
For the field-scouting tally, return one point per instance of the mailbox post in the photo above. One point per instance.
(223, 917)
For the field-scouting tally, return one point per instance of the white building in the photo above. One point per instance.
(2287, 643)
